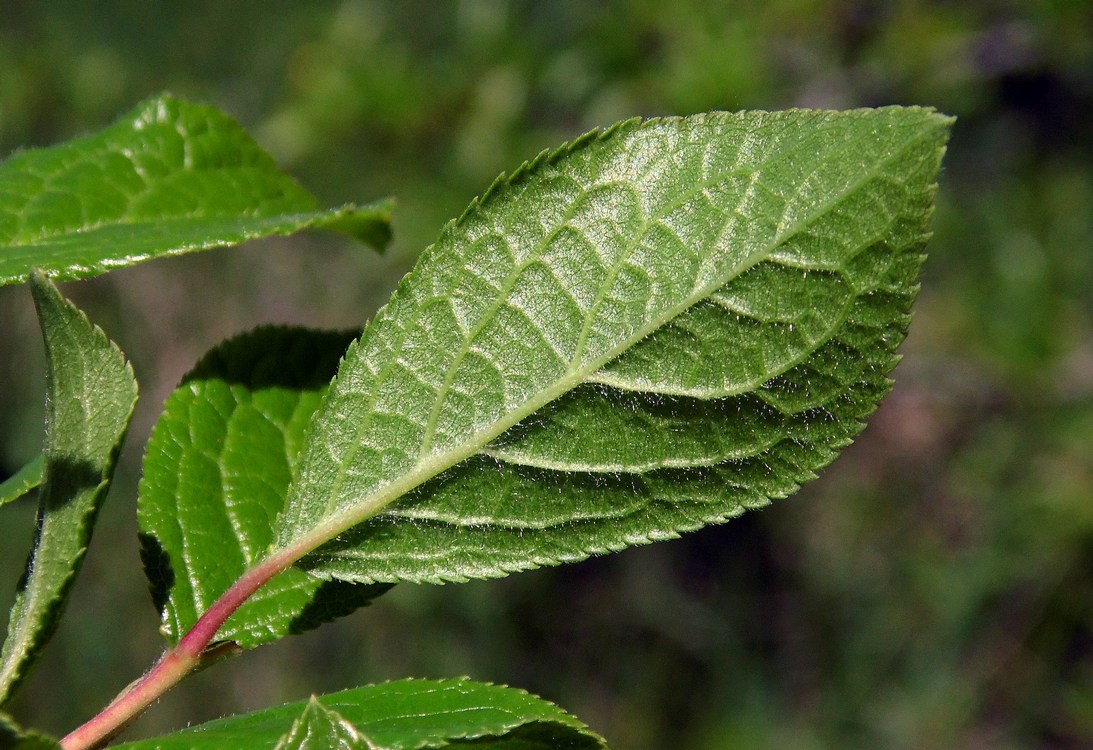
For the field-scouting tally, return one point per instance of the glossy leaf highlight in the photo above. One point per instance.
(320, 728)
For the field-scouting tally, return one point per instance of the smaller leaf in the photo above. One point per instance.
(216, 471)
(91, 394)
(320, 728)
(13, 737)
(405, 715)
(22, 481)
(170, 177)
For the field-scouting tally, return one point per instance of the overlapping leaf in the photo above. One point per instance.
(403, 715)
(91, 394)
(22, 481)
(648, 330)
(216, 471)
(170, 177)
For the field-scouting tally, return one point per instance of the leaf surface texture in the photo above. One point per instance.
(216, 470)
(648, 330)
(170, 177)
(320, 728)
(404, 715)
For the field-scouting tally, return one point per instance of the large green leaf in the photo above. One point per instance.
(216, 470)
(645, 331)
(91, 394)
(170, 177)
(405, 715)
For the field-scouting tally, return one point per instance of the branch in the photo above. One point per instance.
(192, 652)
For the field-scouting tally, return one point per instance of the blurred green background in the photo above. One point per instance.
(933, 590)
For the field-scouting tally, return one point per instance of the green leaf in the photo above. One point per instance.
(91, 394)
(12, 737)
(22, 481)
(320, 728)
(648, 330)
(405, 715)
(168, 178)
(216, 471)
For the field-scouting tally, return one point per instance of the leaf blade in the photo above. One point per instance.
(589, 254)
(320, 728)
(22, 481)
(405, 715)
(216, 470)
(168, 178)
(92, 393)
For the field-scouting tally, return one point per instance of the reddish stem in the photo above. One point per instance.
(180, 661)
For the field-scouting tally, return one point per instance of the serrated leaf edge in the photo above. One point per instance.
(332, 523)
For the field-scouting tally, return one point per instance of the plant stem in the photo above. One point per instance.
(180, 661)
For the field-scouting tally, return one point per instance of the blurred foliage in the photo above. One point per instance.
(934, 590)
